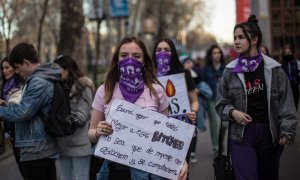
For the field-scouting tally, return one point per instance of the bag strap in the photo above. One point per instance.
(221, 142)
(229, 165)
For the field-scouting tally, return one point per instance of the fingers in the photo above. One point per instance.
(241, 117)
(284, 141)
(2, 102)
(192, 116)
(183, 172)
(104, 128)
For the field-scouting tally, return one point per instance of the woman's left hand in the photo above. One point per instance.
(284, 141)
(183, 171)
(192, 116)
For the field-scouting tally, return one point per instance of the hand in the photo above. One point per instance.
(241, 117)
(192, 116)
(183, 171)
(104, 128)
(284, 141)
(2, 102)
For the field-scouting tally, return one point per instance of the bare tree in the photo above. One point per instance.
(9, 11)
(40, 32)
(174, 17)
(72, 29)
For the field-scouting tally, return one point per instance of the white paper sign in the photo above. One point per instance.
(145, 140)
(176, 90)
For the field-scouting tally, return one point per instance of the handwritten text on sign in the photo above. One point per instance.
(176, 90)
(145, 140)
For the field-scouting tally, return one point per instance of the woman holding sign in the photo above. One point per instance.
(130, 77)
(254, 95)
(167, 62)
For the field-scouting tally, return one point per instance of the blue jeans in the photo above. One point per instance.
(73, 168)
(256, 157)
(202, 114)
(136, 174)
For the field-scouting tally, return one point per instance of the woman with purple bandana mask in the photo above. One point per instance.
(167, 62)
(131, 77)
(254, 95)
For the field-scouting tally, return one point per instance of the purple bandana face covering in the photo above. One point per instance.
(163, 60)
(9, 85)
(131, 79)
(248, 64)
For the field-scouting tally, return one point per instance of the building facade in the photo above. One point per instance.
(279, 21)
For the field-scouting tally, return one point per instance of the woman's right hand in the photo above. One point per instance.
(103, 128)
(241, 117)
(2, 102)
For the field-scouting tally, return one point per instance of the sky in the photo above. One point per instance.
(222, 19)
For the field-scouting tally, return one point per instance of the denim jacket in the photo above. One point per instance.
(281, 107)
(212, 76)
(36, 97)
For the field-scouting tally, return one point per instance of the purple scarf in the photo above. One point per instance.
(163, 60)
(9, 85)
(131, 81)
(248, 64)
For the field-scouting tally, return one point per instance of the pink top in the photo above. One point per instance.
(145, 100)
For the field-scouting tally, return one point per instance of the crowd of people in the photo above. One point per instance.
(254, 97)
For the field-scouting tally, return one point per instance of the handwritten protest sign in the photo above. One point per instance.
(176, 90)
(145, 140)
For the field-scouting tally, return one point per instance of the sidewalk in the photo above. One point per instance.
(8, 166)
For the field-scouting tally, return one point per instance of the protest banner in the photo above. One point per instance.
(145, 140)
(176, 90)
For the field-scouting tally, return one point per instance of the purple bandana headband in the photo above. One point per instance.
(248, 64)
(131, 80)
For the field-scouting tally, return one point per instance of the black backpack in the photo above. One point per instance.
(57, 123)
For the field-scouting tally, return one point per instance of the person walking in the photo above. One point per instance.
(290, 67)
(211, 74)
(254, 95)
(10, 91)
(75, 150)
(148, 92)
(189, 65)
(37, 149)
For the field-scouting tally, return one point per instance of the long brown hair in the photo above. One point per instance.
(112, 75)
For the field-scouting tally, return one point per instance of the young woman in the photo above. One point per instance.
(211, 74)
(166, 61)
(74, 162)
(118, 84)
(290, 67)
(165, 49)
(11, 85)
(254, 95)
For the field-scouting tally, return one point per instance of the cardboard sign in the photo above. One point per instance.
(176, 90)
(145, 140)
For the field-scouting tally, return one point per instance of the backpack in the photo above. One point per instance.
(57, 123)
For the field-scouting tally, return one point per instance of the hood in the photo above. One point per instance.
(48, 71)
